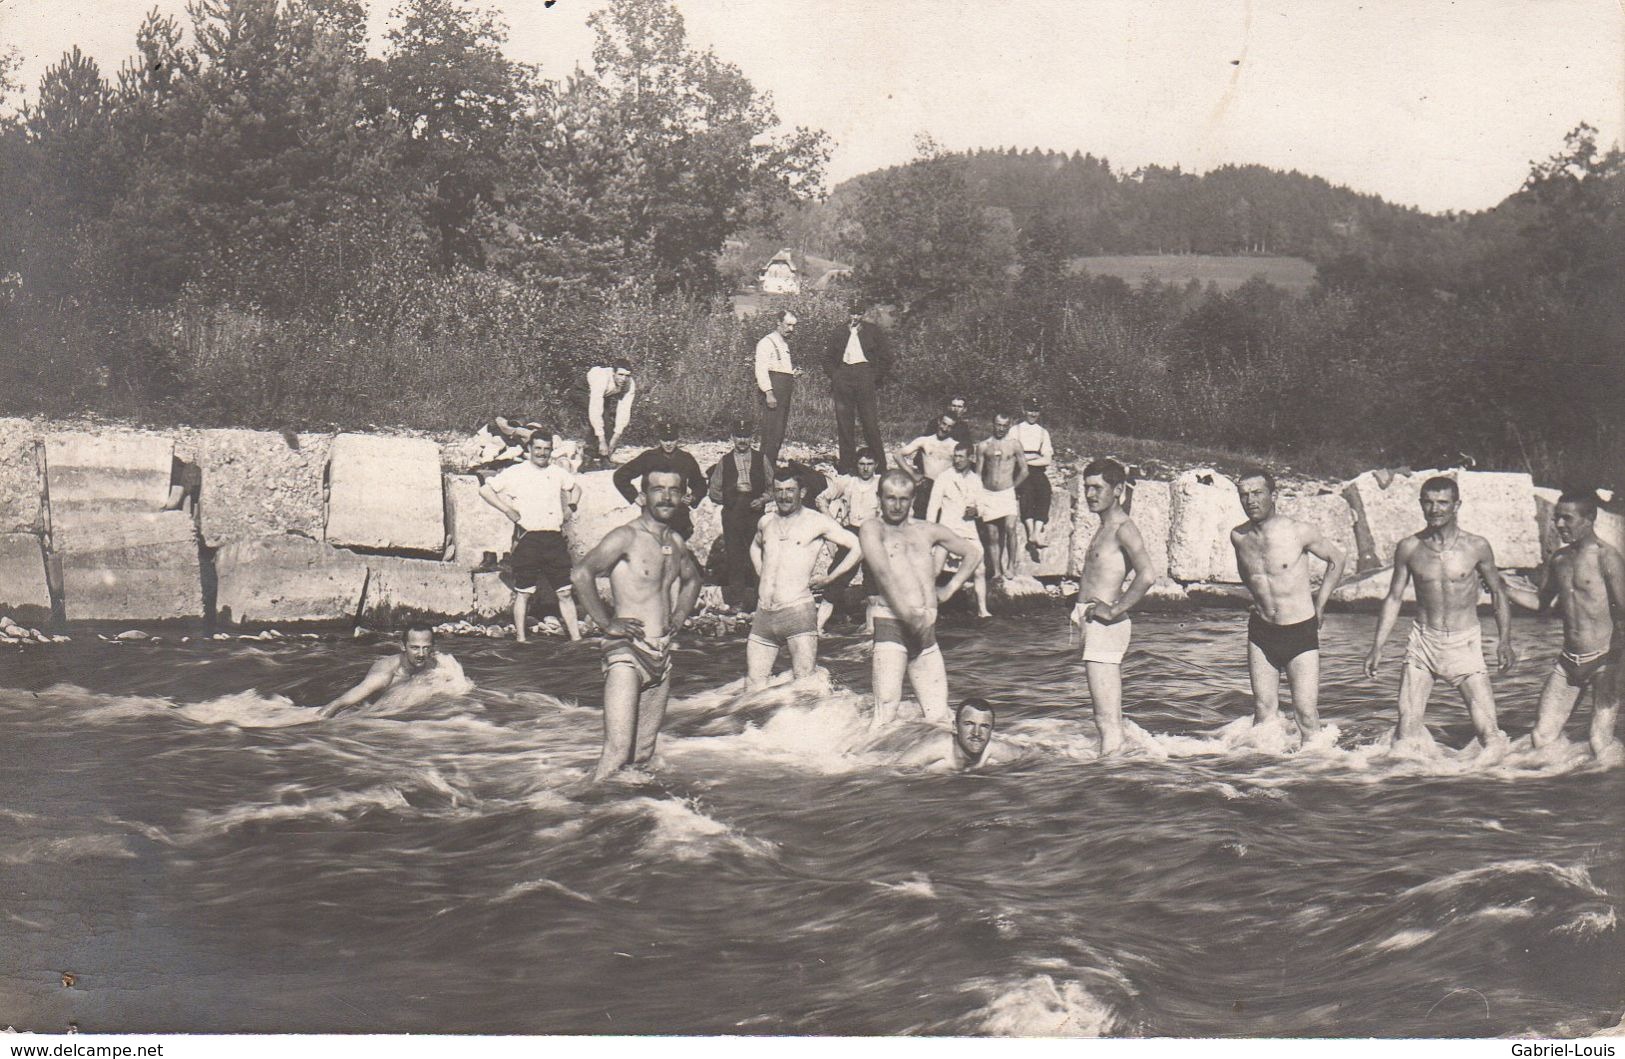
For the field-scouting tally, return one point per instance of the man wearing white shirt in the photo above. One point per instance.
(857, 361)
(1033, 494)
(606, 385)
(537, 496)
(775, 384)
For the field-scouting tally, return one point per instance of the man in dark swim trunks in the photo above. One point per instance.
(1587, 579)
(1284, 630)
(642, 560)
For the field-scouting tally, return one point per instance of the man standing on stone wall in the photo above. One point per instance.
(857, 361)
(537, 496)
(775, 384)
(1004, 468)
(1283, 632)
(1033, 494)
(738, 485)
(1448, 564)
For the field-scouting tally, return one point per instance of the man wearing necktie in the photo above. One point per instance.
(858, 360)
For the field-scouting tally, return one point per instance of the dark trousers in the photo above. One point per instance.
(773, 420)
(922, 495)
(853, 388)
(738, 530)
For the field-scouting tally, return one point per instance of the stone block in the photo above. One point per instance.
(258, 484)
(1330, 513)
(287, 579)
(398, 586)
(493, 597)
(384, 494)
(1611, 529)
(23, 588)
(1499, 507)
(602, 509)
(78, 531)
(1205, 509)
(108, 469)
(20, 484)
(1545, 508)
(475, 526)
(122, 565)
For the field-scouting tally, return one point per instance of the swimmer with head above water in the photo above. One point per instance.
(417, 658)
(969, 746)
(786, 547)
(1587, 579)
(904, 598)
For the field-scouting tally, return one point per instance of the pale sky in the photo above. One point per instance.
(1431, 103)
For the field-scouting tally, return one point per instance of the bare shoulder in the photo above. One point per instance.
(1480, 545)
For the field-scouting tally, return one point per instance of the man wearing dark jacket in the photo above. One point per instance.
(858, 359)
(665, 457)
(738, 485)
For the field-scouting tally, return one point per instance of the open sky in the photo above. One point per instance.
(1440, 104)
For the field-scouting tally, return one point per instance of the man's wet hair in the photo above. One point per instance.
(965, 446)
(621, 364)
(947, 413)
(1106, 468)
(649, 476)
(540, 434)
(1258, 472)
(901, 477)
(1440, 483)
(416, 626)
(864, 454)
(786, 474)
(980, 705)
(1584, 499)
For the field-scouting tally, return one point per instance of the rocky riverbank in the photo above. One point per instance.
(286, 529)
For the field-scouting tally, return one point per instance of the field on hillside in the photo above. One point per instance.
(1292, 273)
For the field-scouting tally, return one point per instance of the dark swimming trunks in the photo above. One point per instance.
(541, 557)
(1594, 669)
(1282, 643)
(889, 632)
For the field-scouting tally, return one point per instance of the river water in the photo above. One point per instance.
(202, 856)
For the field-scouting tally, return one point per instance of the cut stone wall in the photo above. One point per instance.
(1332, 516)
(287, 579)
(127, 565)
(417, 586)
(384, 494)
(23, 587)
(475, 526)
(1205, 509)
(256, 484)
(1499, 507)
(127, 469)
(20, 483)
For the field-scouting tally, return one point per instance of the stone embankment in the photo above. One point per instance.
(279, 528)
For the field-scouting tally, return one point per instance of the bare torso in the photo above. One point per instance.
(1588, 621)
(1105, 564)
(642, 580)
(1446, 577)
(999, 456)
(790, 548)
(1274, 565)
(904, 553)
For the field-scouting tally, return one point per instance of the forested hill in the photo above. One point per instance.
(1090, 208)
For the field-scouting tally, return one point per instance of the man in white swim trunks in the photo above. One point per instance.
(788, 542)
(967, 748)
(904, 597)
(1586, 578)
(955, 502)
(1004, 467)
(1115, 552)
(417, 658)
(1448, 564)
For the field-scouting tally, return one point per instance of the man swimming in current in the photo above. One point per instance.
(1115, 551)
(417, 658)
(643, 560)
(1283, 631)
(1586, 578)
(904, 598)
(784, 551)
(1448, 564)
(968, 747)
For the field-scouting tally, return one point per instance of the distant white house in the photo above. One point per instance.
(779, 275)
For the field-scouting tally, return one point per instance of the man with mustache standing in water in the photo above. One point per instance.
(1587, 578)
(1448, 563)
(417, 657)
(1283, 631)
(642, 560)
(786, 547)
(904, 596)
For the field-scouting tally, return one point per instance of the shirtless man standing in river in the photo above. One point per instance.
(1103, 601)
(788, 542)
(1445, 643)
(642, 560)
(1283, 631)
(1587, 578)
(904, 598)
(1003, 465)
(417, 657)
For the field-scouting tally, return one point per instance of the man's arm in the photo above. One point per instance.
(833, 491)
(584, 580)
(1391, 604)
(1020, 464)
(713, 489)
(494, 498)
(939, 492)
(1613, 580)
(756, 545)
(623, 411)
(1505, 656)
(1317, 545)
(840, 537)
(376, 680)
(629, 472)
(597, 390)
(968, 551)
(926, 753)
(693, 480)
(903, 457)
(1139, 560)
(764, 353)
(688, 589)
